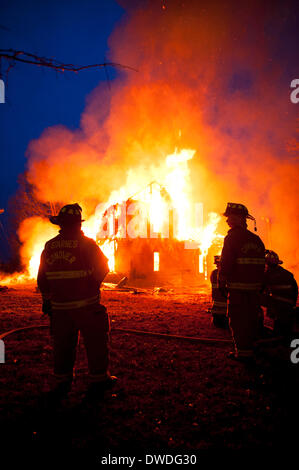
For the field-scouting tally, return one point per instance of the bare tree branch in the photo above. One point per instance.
(20, 56)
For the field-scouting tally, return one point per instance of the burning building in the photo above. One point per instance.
(141, 235)
(158, 234)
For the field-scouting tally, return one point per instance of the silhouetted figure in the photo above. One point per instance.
(241, 275)
(71, 270)
(280, 295)
(219, 306)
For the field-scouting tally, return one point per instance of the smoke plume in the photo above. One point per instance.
(210, 78)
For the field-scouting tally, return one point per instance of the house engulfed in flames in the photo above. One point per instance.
(142, 239)
(158, 235)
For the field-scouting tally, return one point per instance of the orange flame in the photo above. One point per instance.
(174, 176)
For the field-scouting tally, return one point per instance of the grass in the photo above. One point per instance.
(170, 395)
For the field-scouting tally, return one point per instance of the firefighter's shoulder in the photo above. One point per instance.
(49, 242)
(93, 249)
(232, 235)
(90, 243)
(284, 272)
(229, 235)
(254, 237)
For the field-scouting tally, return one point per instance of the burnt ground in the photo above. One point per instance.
(172, 396)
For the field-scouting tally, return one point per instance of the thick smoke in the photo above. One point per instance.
(210, 78)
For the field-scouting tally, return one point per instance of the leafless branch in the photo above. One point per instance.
(20, 56)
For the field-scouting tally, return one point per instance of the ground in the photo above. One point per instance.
(171, 394)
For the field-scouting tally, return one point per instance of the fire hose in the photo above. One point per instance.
(192, 339)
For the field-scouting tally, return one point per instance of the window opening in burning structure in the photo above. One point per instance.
(156, 261)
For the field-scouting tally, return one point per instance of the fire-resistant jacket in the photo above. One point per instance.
(280, 285)
(71, 270)
(242, 261)
(219, 300)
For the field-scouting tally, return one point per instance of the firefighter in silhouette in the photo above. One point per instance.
(219, 307)
(280, 295)
(241, 275)
(71, 270)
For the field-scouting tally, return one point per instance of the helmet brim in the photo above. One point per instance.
(246, 216)
(54, 219)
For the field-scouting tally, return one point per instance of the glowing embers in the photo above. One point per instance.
(156, 261)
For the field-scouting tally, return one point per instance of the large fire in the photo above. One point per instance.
(202, 84)
(174, 177)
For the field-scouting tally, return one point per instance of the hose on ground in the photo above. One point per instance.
(193, 339)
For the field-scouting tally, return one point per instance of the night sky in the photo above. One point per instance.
(77, 32)
(36, 98)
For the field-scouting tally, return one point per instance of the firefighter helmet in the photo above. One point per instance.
(68, 215)
(217, 259)
(233, 208)
(272, 257)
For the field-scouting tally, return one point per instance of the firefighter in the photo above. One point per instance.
(71, 270)
(219, 307)
(241, 274)
(280, 295)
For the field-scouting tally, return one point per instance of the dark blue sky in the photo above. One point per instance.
(70, 31)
